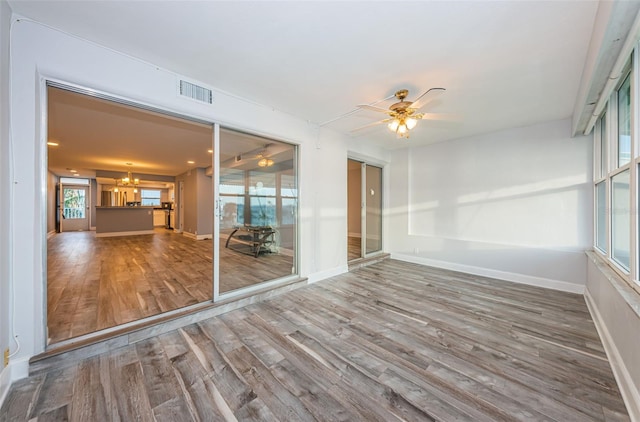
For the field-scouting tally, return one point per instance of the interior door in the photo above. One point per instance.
(74, 209)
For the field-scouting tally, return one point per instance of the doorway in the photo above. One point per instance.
(364, 209)
(74, 208)
(233, 195)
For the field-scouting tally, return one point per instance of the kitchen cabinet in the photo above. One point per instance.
(158, 218)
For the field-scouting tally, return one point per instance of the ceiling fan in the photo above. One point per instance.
(404, 115)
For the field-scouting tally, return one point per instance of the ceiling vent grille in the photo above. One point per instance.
(196, 92)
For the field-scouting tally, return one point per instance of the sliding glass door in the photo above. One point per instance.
(364, 209)
(257, 211)
(373, 209)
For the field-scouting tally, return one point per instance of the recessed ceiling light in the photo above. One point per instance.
(210, 151)
(191, 162)
(73, 171)
(52, 144)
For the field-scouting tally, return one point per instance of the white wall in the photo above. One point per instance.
(615, 308)
(5, 183)
(40, 52)
(516, 204)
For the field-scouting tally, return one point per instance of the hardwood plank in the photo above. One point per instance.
(98, 283)
(391, 341)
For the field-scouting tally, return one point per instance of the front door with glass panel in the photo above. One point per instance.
(74, 208)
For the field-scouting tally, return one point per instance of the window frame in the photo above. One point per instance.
(142, 197)
(606, 167)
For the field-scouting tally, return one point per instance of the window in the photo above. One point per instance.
(621, 219)
(601, 216)
(604, 143)
(74, 181)
(616, 181)
(74, 203)
(624, 122)
(150, 197)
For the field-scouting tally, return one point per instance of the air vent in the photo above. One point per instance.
(196, 92)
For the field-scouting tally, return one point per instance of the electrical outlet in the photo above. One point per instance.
(6, 357)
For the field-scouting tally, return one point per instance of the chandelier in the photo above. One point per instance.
(128, 181)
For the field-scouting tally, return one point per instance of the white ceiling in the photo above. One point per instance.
(94, 134)
(503, 63)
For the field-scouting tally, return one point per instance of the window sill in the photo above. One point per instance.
(629, 293)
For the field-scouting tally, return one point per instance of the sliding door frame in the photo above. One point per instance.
(364, 162)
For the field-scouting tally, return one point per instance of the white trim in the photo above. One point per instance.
(17, 369)
(321, 275)
(129, 233)
(501, 275)
(197, 236)
(630, 393)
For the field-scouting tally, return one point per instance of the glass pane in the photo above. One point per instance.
(258, 218)
(263, 211)
(601, 216)
(624, 122)
(604, 142)
(140, 266)
(74, 203)
(621, 219)
(374, 209)
(232, 211)
(150, 197)
(231, 181)
(288, 185)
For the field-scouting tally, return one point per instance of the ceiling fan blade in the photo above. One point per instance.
(445, 117)
(379, 122)
(373, 108)
(427, 97)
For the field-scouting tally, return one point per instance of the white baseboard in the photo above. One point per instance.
(501, 275)
(321, 275)
(16, 370)
(197, 236)
(630, 393)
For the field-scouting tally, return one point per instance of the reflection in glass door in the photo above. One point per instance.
(257, 210)
(373, 195)
(74, 208)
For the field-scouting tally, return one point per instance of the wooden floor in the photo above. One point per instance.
(354, 248)
(391, 341)
(97, 283)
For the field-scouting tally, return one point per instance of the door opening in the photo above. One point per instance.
(354, 209)
(364, 209)
(74, 208)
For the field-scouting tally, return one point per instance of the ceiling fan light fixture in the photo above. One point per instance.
(393, 126)
(411, 123)
(265, 162)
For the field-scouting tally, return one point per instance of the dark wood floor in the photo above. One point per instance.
(392, 341)
(97, 283)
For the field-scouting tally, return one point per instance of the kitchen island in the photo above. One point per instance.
(123, 221)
